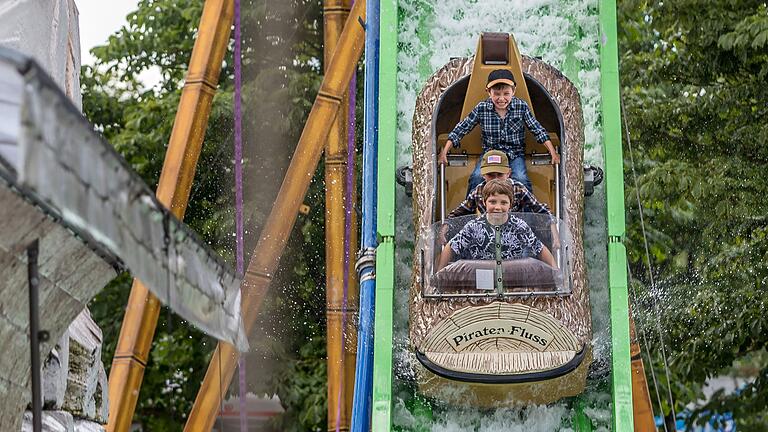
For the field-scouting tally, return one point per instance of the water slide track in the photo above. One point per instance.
(382, 396)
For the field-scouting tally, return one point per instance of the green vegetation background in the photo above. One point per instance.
(281, 74)
(693, 76)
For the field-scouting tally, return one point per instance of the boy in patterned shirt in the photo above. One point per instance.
(502, 118)
(495, 165)
(477, 240)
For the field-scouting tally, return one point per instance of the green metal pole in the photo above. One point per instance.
(621, 377)
(381, 415)
(581, 421)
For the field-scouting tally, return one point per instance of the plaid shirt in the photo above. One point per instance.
(476, 241)
(506, 134)
(523, 201)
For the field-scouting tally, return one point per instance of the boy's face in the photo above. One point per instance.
(497, 203)
(496, 175)
(501, 96)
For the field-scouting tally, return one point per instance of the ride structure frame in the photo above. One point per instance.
(621, 370)
(621, 380)
(381, 409)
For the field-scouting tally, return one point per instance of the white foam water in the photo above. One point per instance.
(431, 32)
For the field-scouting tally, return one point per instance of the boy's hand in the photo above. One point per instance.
(442, 159)
(552, 152)
(441, 234)
(555, 237)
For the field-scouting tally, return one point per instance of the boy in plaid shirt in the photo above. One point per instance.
(502, 118)
(495, 165)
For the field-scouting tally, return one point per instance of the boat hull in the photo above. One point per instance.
(495, 369)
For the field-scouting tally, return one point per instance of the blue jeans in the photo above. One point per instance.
(519, 173)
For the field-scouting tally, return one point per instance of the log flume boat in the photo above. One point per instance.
(526, 339)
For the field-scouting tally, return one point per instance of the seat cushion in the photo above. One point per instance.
(520, 275)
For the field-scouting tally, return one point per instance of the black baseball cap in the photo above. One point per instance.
(500, 76)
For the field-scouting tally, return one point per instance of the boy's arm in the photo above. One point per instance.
(442, 158)
(546, 256)
(530, 240)
(541, 134)
(552, 151)
(555, 236)
(445, 256)
(533, 205)
(458, 132)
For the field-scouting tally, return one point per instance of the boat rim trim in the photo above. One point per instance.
(503, 379)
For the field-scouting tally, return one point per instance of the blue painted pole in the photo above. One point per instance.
(361, 403)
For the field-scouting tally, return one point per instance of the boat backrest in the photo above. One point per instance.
(494, 51)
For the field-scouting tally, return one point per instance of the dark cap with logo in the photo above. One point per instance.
(500, 76)
(494, 161)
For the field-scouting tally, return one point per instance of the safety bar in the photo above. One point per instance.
(506, 294)
(558, 255)
(442, 193)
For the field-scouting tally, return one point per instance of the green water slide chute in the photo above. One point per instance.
(621, 377)
(381, 412)
(385, 259)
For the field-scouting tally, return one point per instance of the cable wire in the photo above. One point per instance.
(646, 350)
(238, 142)
(648, 263)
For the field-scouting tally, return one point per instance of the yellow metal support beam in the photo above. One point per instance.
(173, 190)
(282, 218)
(341, 340)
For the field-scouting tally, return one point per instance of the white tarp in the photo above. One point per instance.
(48, 31)
(64, 164)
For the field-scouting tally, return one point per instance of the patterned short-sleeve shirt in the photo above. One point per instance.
(476, 241)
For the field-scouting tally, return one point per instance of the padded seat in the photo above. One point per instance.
(520, 275)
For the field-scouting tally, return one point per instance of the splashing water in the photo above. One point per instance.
(431, 32)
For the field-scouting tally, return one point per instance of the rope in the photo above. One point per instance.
(347, 231)
(239, 199)
(648, 263)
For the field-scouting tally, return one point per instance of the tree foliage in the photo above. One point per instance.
(282, 44)
(693, 83)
